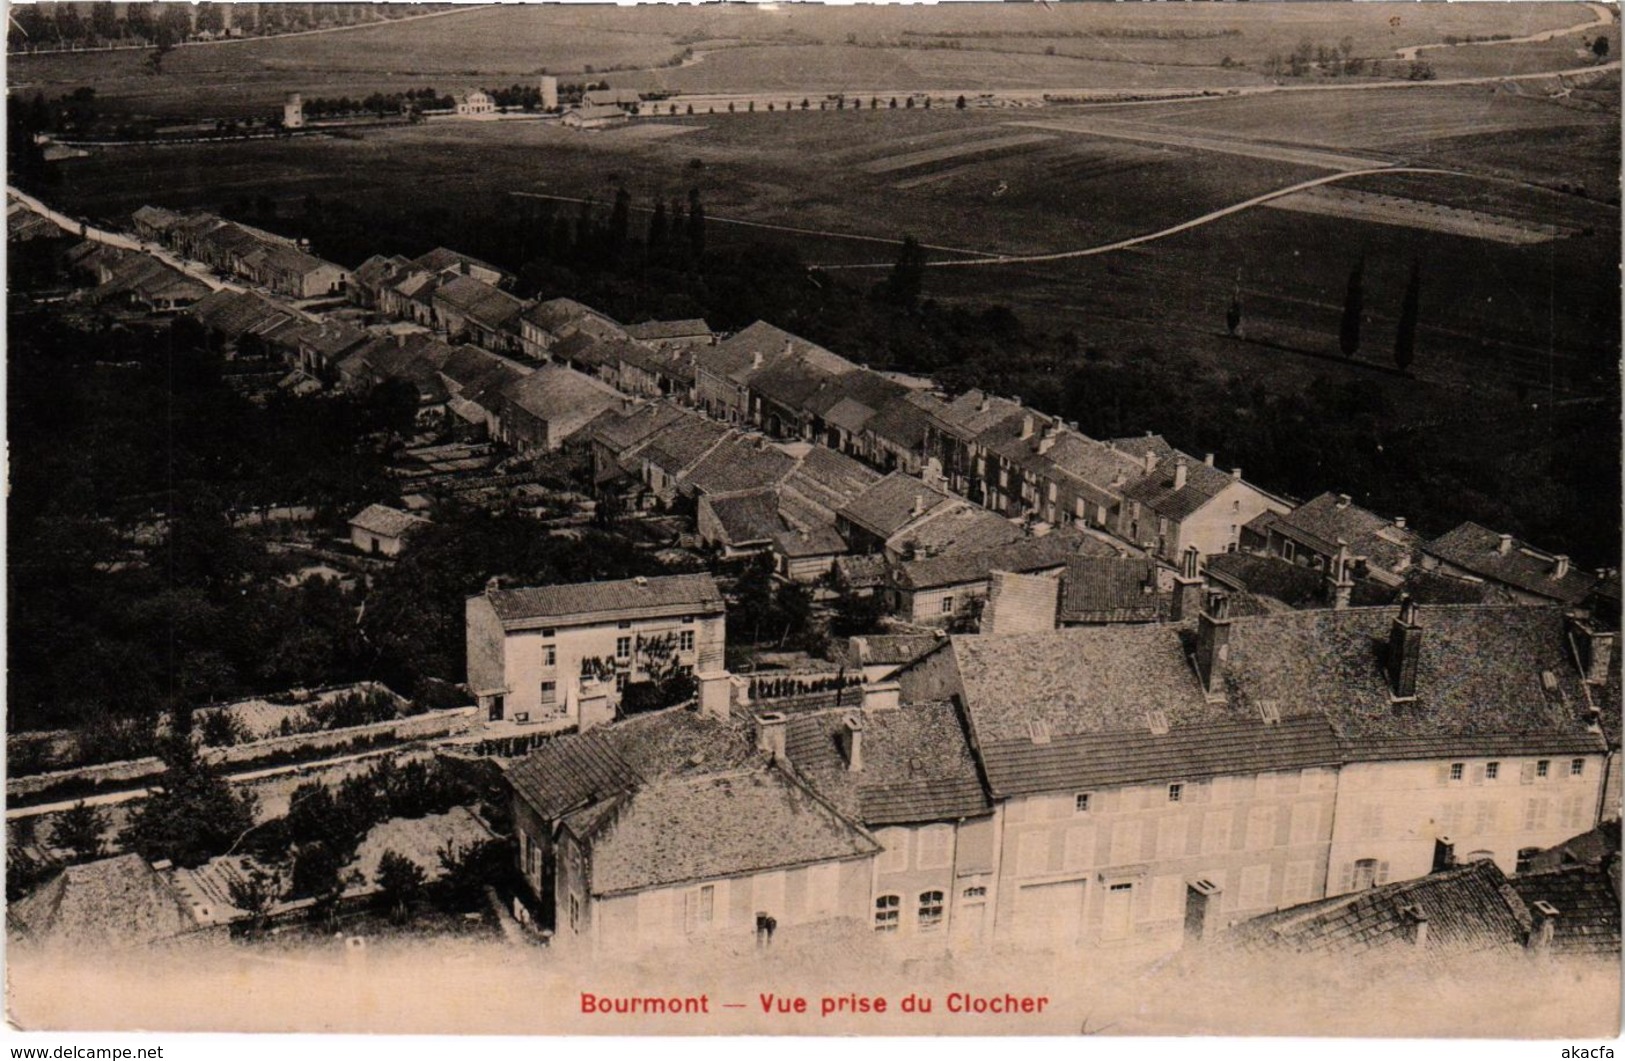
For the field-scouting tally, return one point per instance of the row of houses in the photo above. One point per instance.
(1110, 785)
(264, 258)
(131, 280)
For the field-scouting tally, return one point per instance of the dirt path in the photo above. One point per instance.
(1183, 226)
(1601, 17)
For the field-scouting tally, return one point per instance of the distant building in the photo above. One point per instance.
(595, 117)
(1332, 530)
(382, 531)
(1534, 576)
(550, 92)
(561, 655)
(293, 112)
(475, 104)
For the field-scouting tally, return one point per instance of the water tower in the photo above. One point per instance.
(550, 93)
(293, 112)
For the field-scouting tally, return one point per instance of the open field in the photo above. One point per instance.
(1413, 213)
(892, 48)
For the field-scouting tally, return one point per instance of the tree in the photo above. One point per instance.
(1599, 48)
(468, 869)
(657, 229)
(907, 277)
(194, 816)
(1405, 338)
(400, 883)
(79, 832)
(620, 216)
(1353, 310)
(959, 103)
(1232, 317)
(255, 894)
(696, 224)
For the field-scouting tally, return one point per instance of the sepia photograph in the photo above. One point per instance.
(781, 519)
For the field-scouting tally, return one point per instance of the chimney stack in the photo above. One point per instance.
(1560, 567)
(1208, 460)
(1235, 473)
(1505, 545)
(1416, 926)
(1343, 500)
(1150, 462)
(1180, 473)
(1213, 645)
(1203, 919)
(918, 508)
(1595, 648)
(1444, 854)
(1399, 522)
(851, 737)
(1046, 438)
(1027, 426)
(1545, 926)
(756, 359)
(715, 693)
(771, 727)
(1187, 586)
(1339, 586)
(1404, 651)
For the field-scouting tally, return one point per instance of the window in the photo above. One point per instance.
(699, 908)
(1534, 813)
(1492, 771)
(623, 648)
(1543, 768)
(575, 911)
(685, 641)
(1176, 792)
(887, 908)
(948, 605)
(1367, 873)
(547, 632)
(1080, 803)
(550, 655)
(625, 624)
(894, 859)
(930, 911)
(1577, 767)
(976, 892)
(550, 692)
(1261, 828)
(620, 683)
(688, 620)
(1457, 771)
(936, 847)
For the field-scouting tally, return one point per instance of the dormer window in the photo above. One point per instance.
(1039, 731)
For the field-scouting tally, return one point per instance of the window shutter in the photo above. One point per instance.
(1346, 881)
(1444, 773)
(1382, 873)
(691, 911)
(1528, 775)
(1478, 774)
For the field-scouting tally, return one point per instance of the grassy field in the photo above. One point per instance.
(803, 49)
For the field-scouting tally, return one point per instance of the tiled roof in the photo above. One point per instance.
(112, 903)
(679, 445)
(554, 392)
(580, 601)
(1092, 462)
(1295, 585)
(735, 465)
(1471, 909)
(868, 389)
(1023, 556)
(1586, 897)
(1478, 550)
(441, 259)
(956, 527)
(901, 422)
(973, 412)
(622, 430)
(1137, 446)
(235, 313)
(891, 503)
(653, 331)
(480, 302)
(673, 364)
(574, 771)
(899, 649)
(1480, 685)
(1157, 492)
(916, 764)
(747, 518)
(592, 112)
(832, 478)
(849, 415)
(734, 357)
(1111, 589)
(806, 539)
(790, 382)
(1323, 521)
(1596, 844)
(862, 572)
(557, 313)
(379, 269)
(386, 521)
(716, 825)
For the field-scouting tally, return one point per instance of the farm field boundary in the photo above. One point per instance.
(1246, 148)
(1413, 213)
(952, 152)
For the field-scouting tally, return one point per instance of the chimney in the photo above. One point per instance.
(1180, 472)
(878, 696)
(1343, 500)
(1213, 645)
(1208, 460)
(493, 583)
(715, 693)
(756, 359)
(984, 404)
(1339, 586)
(1027, 426)
(851, 738)
(770, 731)
(1202, 914)
(1235, 473)
(1187, 586)
(1399, 522)
(918, 508)
(1416, 925)
(1505, 545)
(1560, 567)
(1544, 915)
(1150, 462)
(1046, 438)
(1404, 651)
(1444, 854)
(1594, 647)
